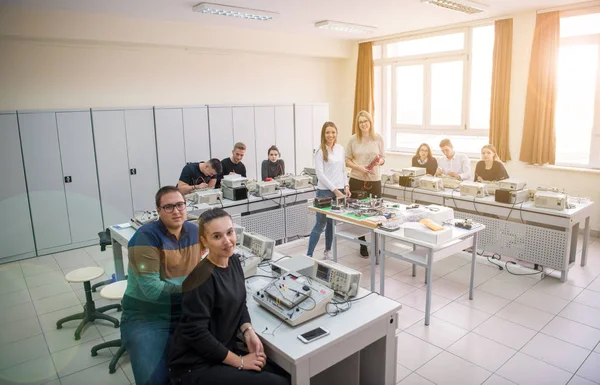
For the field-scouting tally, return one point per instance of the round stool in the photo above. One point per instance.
(115, 290)
(90, 313)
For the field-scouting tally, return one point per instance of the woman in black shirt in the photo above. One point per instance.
(489, 168)
(213, 312)
(424, 159)
(273, 166)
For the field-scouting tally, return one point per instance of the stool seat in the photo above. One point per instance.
(84, 274)
(115, 290)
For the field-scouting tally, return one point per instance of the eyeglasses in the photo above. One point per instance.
(363, 122)
(171, 207)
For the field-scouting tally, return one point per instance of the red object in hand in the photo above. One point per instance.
(373, 163)
(268, 179)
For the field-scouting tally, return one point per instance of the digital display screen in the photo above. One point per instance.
(322, 272)
(247, 241)
(313, 334)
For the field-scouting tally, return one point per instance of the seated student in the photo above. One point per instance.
(233, 164)
(161, 255)
(273, 166)
(424, 159)
(199, 175)
(489, 168)
(214, 311)
(453, 164)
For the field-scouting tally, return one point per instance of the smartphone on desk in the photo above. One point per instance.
(312, 335)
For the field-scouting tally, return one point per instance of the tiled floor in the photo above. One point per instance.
(517, 329)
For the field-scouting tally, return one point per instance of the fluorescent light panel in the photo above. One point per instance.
(237, 12)
(463, 6)
(344, 27)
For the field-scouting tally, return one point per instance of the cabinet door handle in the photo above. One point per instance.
(132, 171)
(68, 179)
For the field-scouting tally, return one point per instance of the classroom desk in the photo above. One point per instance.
(425, 253)
(360, 349)
(540, 236)
(358, 227)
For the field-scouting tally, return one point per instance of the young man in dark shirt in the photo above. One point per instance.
(199, 175)
(233, 164)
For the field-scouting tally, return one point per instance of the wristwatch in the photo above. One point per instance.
(241, 363)
(245, 330)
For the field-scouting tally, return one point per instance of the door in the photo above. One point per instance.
(303, 125)
(195, 131)
(141, 150)
(264, 129)
(16, 237)
(45, 183)
(170, 144)
(81, 179)
(113, 166)
(243, 131)
(284, 137)
(221, 131)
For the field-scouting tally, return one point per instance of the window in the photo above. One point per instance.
(577, 119)
(435, 86)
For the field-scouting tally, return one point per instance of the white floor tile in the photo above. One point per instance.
(76, 358)
(462, 275)
(11, 285)
(449, 264)
(96, 375)
(23, 351)
(49, 290)
(395, 289)
(483, 301)
(526, 316)
(37, 371)
(541, 301)
(482, 351)
(589, 298)
(497, 380)
(417, 300)
(595, 285)
(591, 368)
(576, 380)
(14, 298)
(57, 302)
(583, 314)
(414, 352)
(401, 372)
(19, 330)
(573, 332)
(58, 340)
(48, 320)
(417, 281)
(555, 287)
(439, 333)
(556, 352)
(395, 266)
(582, 276)
(462, 316)
(447, 368)
(407, 316)
(500, 288)
(54, 276)
(523, 369)
(16, 313)
(415, 379)
(505, 332)
(448, 289)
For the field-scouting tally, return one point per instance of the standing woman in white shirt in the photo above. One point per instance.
(452, 163)
(331, 171)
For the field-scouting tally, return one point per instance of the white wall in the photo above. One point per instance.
(576, 183)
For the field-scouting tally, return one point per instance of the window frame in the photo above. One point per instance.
(388, 88)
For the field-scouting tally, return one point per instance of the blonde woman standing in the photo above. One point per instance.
(365, 154)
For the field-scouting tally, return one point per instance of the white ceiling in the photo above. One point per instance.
(299, 16)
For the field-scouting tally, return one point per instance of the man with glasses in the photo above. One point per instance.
(199, 175)
(161, 254)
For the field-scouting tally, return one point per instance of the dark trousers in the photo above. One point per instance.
(228, 375)
(373, 188)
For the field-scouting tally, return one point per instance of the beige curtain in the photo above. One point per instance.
(538, 145)
(365, 79)
(499, 108)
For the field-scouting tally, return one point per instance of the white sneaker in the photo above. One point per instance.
(326, 254)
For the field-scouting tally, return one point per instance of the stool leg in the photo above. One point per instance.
(113, 363)
(79, 329)
(98, 315)
(109, 344)
(69, 318)
(110, 307)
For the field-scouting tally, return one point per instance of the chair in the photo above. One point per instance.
(116, 291)
(90, 313)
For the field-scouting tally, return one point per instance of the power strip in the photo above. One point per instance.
(522, 270)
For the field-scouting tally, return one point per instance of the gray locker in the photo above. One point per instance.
(303, 122)
(284, 137)
(79, 169)
(243, 131)
(221, 131)
(170, 144)
(45, 183)
(195, 131)
(141, 149)
(264, 130)
(16, 237)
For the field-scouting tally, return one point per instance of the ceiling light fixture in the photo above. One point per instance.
(344, 27)
(463, 6)
(237, 12)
